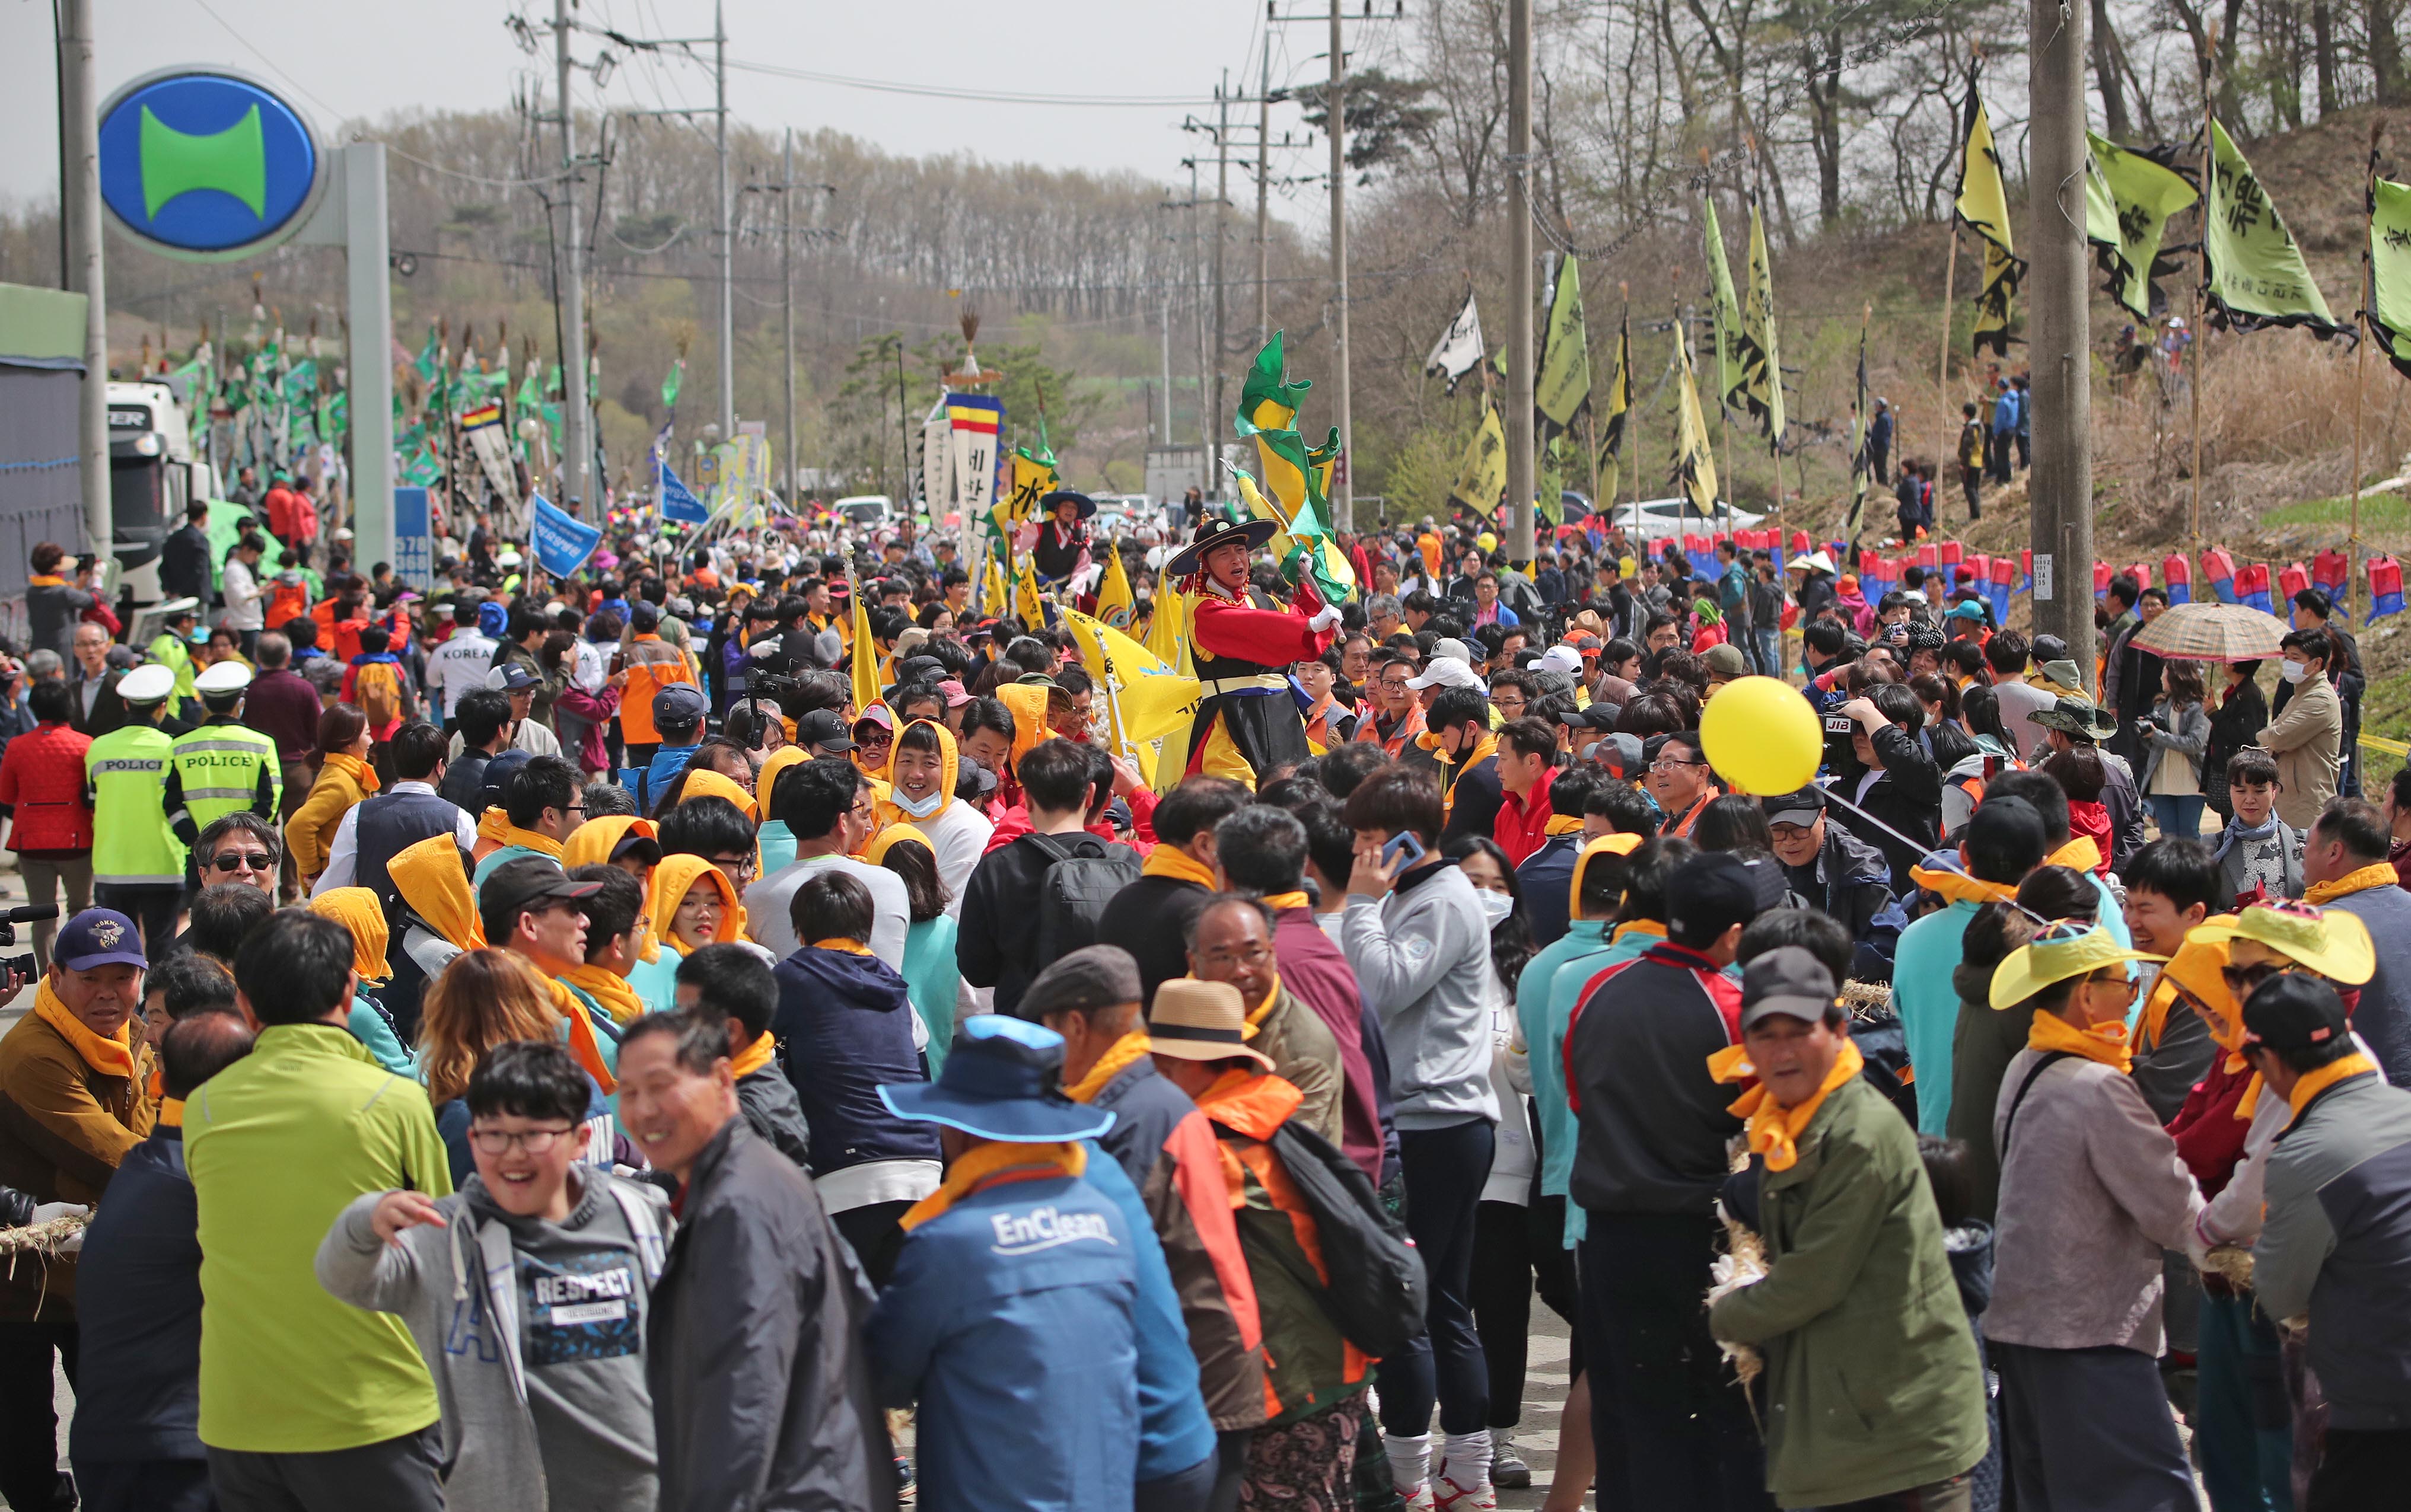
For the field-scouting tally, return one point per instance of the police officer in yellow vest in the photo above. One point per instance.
(221, 766)
(171, 646)
(138, 863)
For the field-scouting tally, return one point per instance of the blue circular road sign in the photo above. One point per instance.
(204, 162)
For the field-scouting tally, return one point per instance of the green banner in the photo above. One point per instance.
(2128, 200)
(1694, 471)
(1761, 355)
(1730, 377)
(1564, 385)
(2390, 267)
(1482, 472)
(2254, 272)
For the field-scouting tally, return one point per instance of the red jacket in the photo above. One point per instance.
(1518, 829)
(43, 776)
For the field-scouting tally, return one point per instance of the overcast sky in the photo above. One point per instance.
(353, 61)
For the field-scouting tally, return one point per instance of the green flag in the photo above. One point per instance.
(2254, 274)
(1564, 385)
(1694, 471)
(1761, 357)
(670, 385)
(1619, 406)
(2128, 199)
(2390, 268)
(1730, 377)
(1983, 203)
(1297, 477)
(430, 357)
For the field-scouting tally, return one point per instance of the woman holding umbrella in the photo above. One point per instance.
(1243, 644)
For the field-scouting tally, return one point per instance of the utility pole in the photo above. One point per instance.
(1264, 187)
(787, 303)
(574, 451)
(1343, 493)
(727, 230)
(2062, 524)
(1217, 416)
(1343, 508)
(1520, 497)
(80, 214)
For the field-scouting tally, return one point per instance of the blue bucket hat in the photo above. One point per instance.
(1002, 1081)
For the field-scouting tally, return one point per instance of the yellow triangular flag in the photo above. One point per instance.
(992, 587)
(1145, 698)
(865, 661)
(1115, 603)
(1025, 602)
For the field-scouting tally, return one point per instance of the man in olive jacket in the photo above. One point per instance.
(1875, 1390)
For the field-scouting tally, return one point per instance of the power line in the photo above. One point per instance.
(987, 96)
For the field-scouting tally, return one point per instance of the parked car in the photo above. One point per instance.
(865, 511)
(1654, 520)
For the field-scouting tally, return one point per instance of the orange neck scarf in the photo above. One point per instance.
(2104, 1046)
(2311, 1083)
(1172, 862)
(996, 1161)
(109, 1056)
(1124, 1051)
(360, 771)
(1773, 1129)
(2378, 874)
(755, 1057)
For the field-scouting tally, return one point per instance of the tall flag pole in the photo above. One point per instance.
(1861, 461)
(2361, 347)
(1730, 380)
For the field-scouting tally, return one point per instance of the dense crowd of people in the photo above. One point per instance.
(523, 1043)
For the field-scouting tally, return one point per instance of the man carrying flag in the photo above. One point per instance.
(1241, 644)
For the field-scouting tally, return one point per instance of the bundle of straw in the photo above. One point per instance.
(1742, 1263)
(2232, 1264)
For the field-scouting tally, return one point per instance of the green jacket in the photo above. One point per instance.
(1874, 1384)
(126, 779)
(278, 1144)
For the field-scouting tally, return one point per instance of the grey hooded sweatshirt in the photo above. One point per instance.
(535, 1333)
(1422, 956)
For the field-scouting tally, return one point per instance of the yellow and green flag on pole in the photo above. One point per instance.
(1761, 356)
(2253, 271)
(1619, 406)
(1983, 203)
(2129, 197)
(1482, 472)
(1732, 374)
(1563, 384)
(1115, 603)
(1296, 479)
(864, 660)
(1694, 471)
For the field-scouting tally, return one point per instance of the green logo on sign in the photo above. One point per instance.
(234, 160)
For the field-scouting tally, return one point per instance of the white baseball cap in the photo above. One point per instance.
(1447, 671)
(227, 676)
(149, 683)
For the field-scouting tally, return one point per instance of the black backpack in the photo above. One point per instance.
(1072, 896)
(1379, 1291)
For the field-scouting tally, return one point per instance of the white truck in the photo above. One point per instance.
(152, 475)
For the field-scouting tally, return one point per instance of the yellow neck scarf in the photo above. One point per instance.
(1649, 927)
(850, 947)
(1563, 824)
(1773, 1129)
(112, 1057)
(2105, 1045)
(171, 1114)
(2311, 1083)
(46, 580)
(1454, 767)
(2378, 874)
(1169, 860)
(996, 1160)
(1278, 901)
(1262, 1010)
(511, 834)
(608, 988)
(1129, 1048)
(360, 771)
(755, 1057)
(581, 1035)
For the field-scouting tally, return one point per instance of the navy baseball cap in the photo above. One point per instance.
(681, 703)
(97, 937)
(510, 677)
(1002, 1081)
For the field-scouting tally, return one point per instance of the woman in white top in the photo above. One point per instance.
(247, 606)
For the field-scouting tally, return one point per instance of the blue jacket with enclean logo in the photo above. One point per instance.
(1010, 1320)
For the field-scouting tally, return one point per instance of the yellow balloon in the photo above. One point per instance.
(1488, 541)
(1761, 736)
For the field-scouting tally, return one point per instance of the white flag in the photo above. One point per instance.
(1458, 351)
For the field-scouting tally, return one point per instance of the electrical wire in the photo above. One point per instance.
(986, 96)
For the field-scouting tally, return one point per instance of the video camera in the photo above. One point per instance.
(9, 920)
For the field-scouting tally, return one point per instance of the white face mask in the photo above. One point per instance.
(2293, 671)
(1496, 907)
(917, 807)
